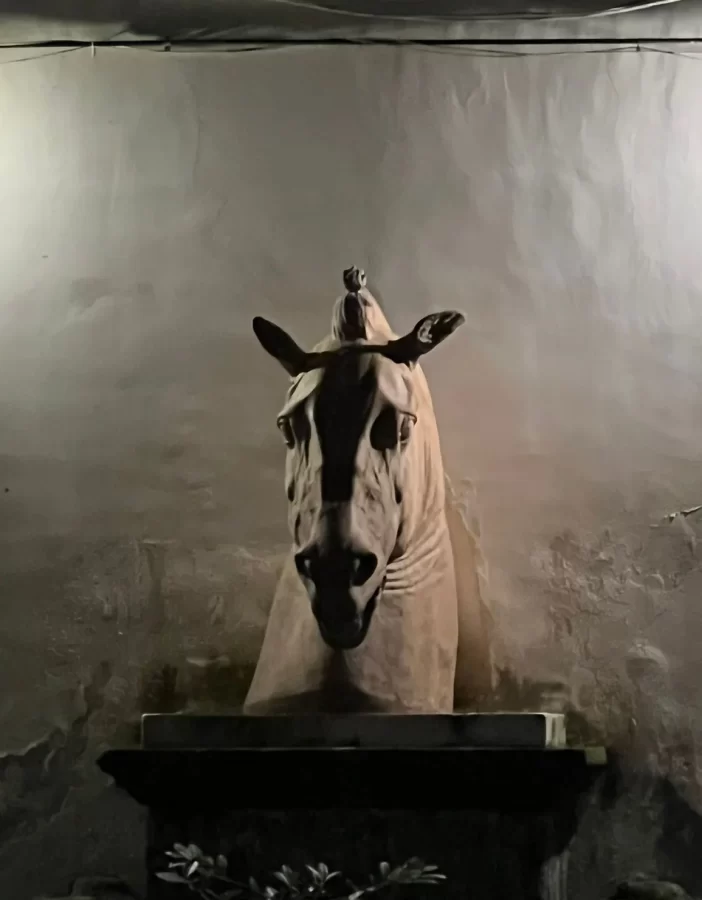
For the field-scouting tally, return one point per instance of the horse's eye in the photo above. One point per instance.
(384, 433)
(295, 427)
(286, 430)
(406, 425)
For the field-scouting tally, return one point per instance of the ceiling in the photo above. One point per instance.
(32, 21)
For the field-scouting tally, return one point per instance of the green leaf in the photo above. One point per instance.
(191, 852)
(356, 895)
(172, 878)
(323, 870)
(281, 876)
(384, 869)
(293, 879)
(253, 884)
(271, 892)
(408, 872)
(221, 863)
(193, 867)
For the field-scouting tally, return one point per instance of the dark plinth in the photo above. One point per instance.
(507, 780)
(491, 819)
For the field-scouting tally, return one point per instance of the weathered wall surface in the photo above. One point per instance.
(153, 204)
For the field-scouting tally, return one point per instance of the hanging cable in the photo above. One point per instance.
(688, 48)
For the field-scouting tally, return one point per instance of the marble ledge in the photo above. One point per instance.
(527, 730)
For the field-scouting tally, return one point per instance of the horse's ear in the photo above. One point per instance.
(428, 333)
(280, 346)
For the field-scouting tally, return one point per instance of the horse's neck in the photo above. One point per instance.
(425, 463)
(427, 552)
(423, 565)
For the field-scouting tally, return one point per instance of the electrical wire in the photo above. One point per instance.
(484, 50)
(487, 50)
(21, 59)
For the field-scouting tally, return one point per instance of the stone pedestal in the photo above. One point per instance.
(492, 800)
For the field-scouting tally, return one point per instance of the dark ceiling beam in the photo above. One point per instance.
(182, 23)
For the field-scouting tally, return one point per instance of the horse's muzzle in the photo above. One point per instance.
(344, 634)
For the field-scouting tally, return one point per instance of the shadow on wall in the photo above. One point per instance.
(637, 826)
(621, 609)
(43, 787)
(207, 684)
(35, 783)
(618, 618)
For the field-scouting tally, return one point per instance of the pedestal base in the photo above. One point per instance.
(493, 820)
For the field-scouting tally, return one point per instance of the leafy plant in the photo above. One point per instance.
(207, 877)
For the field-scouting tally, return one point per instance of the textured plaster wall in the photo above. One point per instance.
(152, 204)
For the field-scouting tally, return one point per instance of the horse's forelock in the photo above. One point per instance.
(358, 316)
(349, 322)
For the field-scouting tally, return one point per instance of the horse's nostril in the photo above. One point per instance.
(303, 561)
(363, 566)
